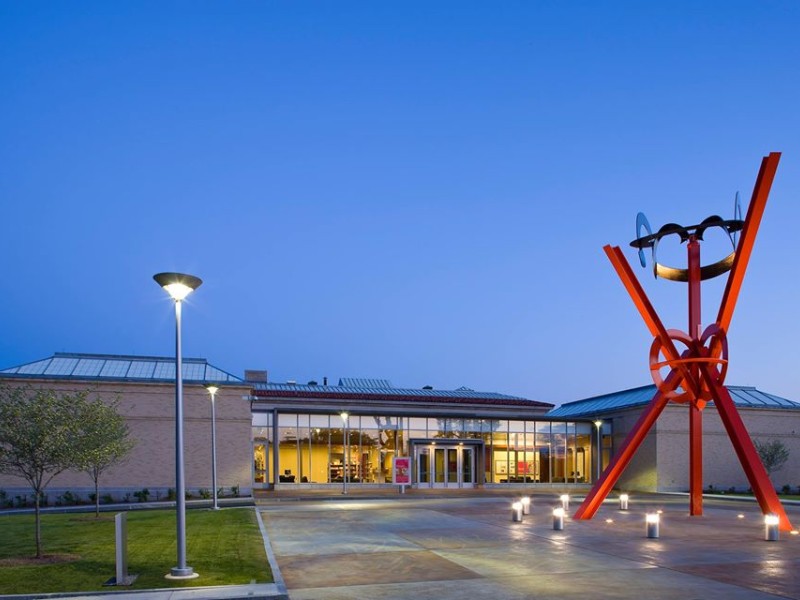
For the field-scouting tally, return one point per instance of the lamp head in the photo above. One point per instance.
(598, 423)
(344, 416)
(178, 285)
(212, 389)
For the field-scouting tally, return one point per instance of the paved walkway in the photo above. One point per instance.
(460, 547)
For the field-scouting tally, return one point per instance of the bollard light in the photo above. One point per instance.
(526, 505)
(653, 520)
(623, 501)
(771, 531)
(564, 501)
(516, 512)
(558, 519)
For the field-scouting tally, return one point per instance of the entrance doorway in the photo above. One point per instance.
(439, 466)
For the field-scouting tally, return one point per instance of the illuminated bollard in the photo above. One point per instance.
(516, 512)
(652, 520)
(623, 501)
(558, 519)
(526, 505)
(771, 531)
(565, 501)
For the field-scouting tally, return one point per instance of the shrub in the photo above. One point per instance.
(787, 489)
(107, 499)
(204, 493)
(235, 491)
(142, 495)
(67, 499)
(171, 494)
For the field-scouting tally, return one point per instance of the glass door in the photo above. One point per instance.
(468, 466)
(445, 466)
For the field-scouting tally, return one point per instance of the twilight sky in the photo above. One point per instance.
(413, 191)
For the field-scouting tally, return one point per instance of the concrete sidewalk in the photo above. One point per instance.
(453, 548)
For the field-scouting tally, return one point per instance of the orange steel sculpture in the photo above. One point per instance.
(697, 373)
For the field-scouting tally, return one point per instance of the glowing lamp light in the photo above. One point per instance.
(564, 501)
(178, 285)
(653, 521)
(516, 512)
(771, 530)
(558, 518)
(526, 505)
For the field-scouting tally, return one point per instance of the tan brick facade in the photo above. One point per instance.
(149, 410)
(662, 463)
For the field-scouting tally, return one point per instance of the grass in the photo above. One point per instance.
(225, 547)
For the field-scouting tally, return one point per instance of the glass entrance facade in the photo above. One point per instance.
(318, 449)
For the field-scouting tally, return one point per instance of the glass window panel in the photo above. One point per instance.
(164, 370)
(142, 369)
(61, 366)
(119, 368)
(88, 367)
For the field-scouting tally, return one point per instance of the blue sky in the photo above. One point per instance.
(412, 191)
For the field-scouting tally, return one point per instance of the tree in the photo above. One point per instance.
(103, 441)
(38, 428)
(773, 454)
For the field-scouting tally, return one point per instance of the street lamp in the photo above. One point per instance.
(178, 286)
(346, 464)
(599, 424)
(213, 389)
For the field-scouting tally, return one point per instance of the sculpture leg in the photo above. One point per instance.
(620, 461)
(695, 460)
(745, 450)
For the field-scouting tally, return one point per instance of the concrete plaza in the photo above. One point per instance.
(468, 547)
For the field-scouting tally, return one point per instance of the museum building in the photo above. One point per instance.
(323, 435)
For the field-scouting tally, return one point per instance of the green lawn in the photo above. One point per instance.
(225, 547)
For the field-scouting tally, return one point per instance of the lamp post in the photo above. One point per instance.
(599, 424)
(178, 286)
(345, 462)
(213, 389)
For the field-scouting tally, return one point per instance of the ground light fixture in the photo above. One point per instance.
(771, 529)
(652, 520)
(558, 519)
(178, 286)
(526, 504)
(564, 501)
(345, 461)
(623, 501)
(212, 390)
(516, 512)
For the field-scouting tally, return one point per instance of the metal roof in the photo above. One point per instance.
(743, 396)
(353, 382)
(291, 390)
(110, 367)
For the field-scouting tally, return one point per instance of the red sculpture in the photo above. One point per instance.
(697, 373)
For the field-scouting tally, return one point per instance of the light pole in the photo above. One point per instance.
(345, 460)
(178, 286)
(598, 424)
(213, 389)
